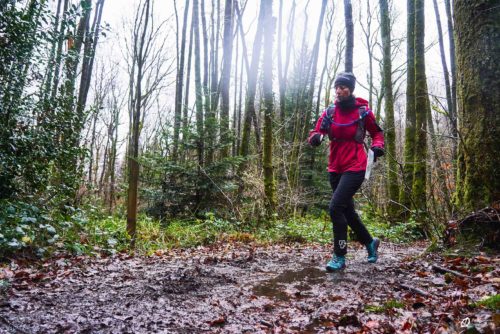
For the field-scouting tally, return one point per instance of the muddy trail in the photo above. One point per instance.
(243, 288)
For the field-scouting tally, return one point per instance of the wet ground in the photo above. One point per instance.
(243, 288)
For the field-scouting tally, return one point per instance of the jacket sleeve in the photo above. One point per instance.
(317, 127)
(375, 131)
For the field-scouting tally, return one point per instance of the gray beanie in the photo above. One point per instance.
(346, 79)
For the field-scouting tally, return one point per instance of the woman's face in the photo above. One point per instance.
(342, 92)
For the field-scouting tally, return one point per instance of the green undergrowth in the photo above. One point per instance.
(399, 232)
(28, 230)
(109, 234)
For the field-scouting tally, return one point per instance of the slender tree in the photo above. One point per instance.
(91, 40)
(225, 77)
(422, 107)
(453, 67)
(449, 101)
(179, 85)
(390, 129)
(349, 28)
(269, 186)
(370, 41)
(198, 86)
(141, 27)
(409, 144)
(252, 87)
(210, 114)
(148, 67)
(185, 108)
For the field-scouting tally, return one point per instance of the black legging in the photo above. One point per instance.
(342, 211)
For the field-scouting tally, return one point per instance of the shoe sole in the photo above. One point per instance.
(377, 243)
(332, 270)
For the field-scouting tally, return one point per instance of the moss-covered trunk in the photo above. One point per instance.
(226, 79)
(390, 133)
(477, 34)
(422, 108)
(269, 186)
(409, 145)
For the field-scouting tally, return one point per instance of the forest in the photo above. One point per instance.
(157, 172)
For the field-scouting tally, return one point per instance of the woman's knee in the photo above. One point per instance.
(336, 209)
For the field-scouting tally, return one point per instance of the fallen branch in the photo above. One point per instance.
(445, 270)
(415, 290)
(266, 323)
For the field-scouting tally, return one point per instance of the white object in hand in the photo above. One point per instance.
(369, 165)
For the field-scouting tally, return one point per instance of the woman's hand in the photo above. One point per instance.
(377, 152)
(315, 139)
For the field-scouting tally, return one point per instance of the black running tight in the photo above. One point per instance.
(342, 211)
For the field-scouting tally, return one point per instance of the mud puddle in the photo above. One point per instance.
(301, 281)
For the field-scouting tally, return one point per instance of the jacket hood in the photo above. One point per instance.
(361, 102)
(358, 102)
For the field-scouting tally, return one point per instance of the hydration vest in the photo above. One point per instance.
(360, 130)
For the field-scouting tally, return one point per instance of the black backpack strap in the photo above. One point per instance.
(361, 129)
(328, 119)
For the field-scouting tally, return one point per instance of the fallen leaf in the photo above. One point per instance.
(218, 321)
(483, 259)
(422, 273)
(406, 326)
(372, 324)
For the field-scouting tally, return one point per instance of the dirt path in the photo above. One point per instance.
(243, 288)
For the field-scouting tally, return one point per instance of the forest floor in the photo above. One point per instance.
(244, 288)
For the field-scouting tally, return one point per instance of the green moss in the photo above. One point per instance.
(390, 304)
(492, 302)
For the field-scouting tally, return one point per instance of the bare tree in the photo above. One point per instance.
(178, 85)
(349, 28)
(148, 68)
(269, 186)
(226, 76)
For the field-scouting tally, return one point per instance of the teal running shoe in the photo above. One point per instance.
(372, 249)
(336, 263)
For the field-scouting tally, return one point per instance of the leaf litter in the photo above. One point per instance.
(245, 288)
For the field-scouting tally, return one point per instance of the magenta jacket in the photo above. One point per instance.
(347, 155)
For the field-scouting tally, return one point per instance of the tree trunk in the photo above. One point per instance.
(269, 185)
(91, 40)
(198, 87)
(185, 119)
(453, 67)
(422, 107)
(252, 87)
(311, 152)
(214, 41)
(69, 172)
(370, 40)
(390, 129)
(58, 58)
(210, 116)
(349, 29)
(405, 198)
(449, 101)
(179, 85)
(234, 127)
(478, 70)
(50, 68)
(225, 78)
(139, 45)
